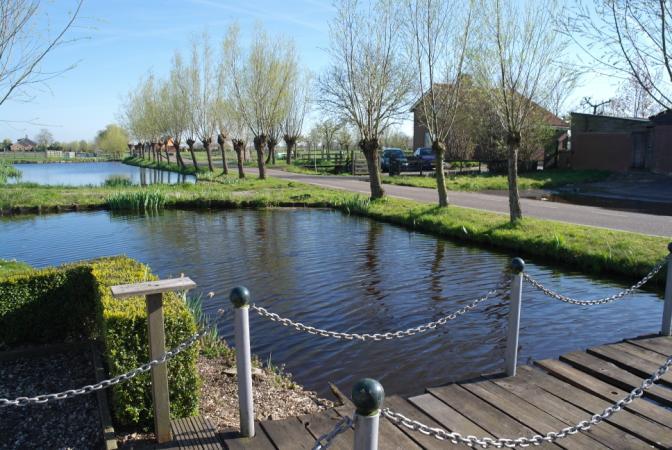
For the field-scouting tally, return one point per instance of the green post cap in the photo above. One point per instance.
(240, 296)
(517, 265)
(368, 396)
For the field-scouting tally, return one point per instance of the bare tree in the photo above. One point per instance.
(44, 138)
(517, 69)
(175, 100)
(633, 100)
(24, 45)
(628, 39)
(328, 129)
(299, 102)
(367, 83)
(437, 34)
(203, 86)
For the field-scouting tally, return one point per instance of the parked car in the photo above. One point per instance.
(425, 158)
(391, 155)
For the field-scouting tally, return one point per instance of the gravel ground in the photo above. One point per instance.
(73, 423)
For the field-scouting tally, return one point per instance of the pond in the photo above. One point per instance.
(345, 273)
(80, 174)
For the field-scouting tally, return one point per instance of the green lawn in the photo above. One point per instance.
(593, 250)
(479, 182)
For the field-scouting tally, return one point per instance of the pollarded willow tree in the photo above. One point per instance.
(260, 86)
(299, 102)
(437, 37)
(627, 39)
(518, 66)
(174, 100)
(202, 91)
(367, 84)
(142, 116)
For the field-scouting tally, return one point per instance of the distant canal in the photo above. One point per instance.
(80, 174)
(344, 273)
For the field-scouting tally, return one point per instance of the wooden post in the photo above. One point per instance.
(153, 292)
(368, 396)
(240, 297)
(667, 307)
(513, 330)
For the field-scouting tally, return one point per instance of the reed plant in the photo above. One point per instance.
(145, 200)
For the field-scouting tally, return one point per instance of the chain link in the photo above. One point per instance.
(599, 301)
(324, 441)
(44, 398)
(537, 439)
(501, 288)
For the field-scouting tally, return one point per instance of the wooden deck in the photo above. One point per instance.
(547, 397)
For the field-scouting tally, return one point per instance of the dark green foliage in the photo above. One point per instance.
(74, 302)
(118, 181)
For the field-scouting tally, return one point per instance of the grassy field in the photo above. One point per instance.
(592, 250)
(479, 182)
(9, 267)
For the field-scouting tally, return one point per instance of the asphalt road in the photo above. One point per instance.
(563, 212)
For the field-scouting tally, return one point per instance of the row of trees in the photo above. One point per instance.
(258, 94)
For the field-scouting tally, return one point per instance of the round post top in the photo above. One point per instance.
(240, 296)
(368, 395)
(517, 265)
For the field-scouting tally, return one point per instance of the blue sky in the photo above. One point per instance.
(123, 39)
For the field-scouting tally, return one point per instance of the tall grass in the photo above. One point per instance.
(8, 171)
(137, 201)
(117, 181)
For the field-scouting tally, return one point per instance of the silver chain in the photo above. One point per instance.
(599, 301)
(324, 441)
(500, 289)
(44, 398)
(537, 439)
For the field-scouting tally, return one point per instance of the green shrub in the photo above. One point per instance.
(74, 302)
(117, 181)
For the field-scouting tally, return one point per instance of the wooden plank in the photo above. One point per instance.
(635, 364)
(531, 416)
(289, 434)
(660, 344)
(110, 441)
(183, 435)
(613, 374)
(606, 391)
(568, 413)
(232, 440)
(159, 373)
(205, 432)
(642, 352)
(322, 423)
(636, 425)
(389, 436)
(446, 416)
(485, 415)
(403, 406)
(152, 287)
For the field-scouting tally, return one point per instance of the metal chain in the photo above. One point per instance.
(324, 441)
(537, 439)
(44, 398)
(599, 301)
(500, 289)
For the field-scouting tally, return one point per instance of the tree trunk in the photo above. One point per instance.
(439, 149)
(290, 142)
(206, 146)
(239, 148)
(370, 148)
(190, 144)
(513, 143)
(178, 155)
(221, 140)
(259, 144)
(272, 142)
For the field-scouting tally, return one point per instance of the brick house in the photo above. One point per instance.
(621, 144)
(23, 145)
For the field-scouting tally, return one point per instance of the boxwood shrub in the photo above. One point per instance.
(74, 302)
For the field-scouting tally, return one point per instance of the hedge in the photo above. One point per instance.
(74, 302)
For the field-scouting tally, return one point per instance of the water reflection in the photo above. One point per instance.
(346, 274)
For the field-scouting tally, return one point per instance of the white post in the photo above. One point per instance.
(667, 307)
(513, 330)
(240, 297)
(368, 396)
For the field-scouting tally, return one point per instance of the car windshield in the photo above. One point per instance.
(395, 153)
(425, 151)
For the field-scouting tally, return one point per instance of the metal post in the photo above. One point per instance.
(667, 308)
(240, 297)
(368, 396)
(159, 373)
(513, 330)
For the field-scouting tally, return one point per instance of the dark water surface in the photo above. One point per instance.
(80, 174)
(345, 273)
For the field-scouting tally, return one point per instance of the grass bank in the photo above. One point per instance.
(587, 249)
(10, 267)
(478, 182)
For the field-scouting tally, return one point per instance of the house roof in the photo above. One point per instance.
(27, 142)
(550, 118)
(634, 119)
